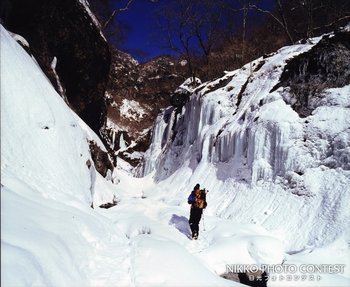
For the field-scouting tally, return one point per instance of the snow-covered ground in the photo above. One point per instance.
(50, 236)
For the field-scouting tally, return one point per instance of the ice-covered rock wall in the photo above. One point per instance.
(240, 136)
(237, 124)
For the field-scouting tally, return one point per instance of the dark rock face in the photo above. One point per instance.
(325, 66)
(64, 29)
(150, 85)
(101, 159)
(136, 95)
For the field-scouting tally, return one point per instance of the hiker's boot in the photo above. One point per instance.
(195, 236)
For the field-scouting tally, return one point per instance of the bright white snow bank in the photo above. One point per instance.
(45, 242)
(155, 219)
(49, 233)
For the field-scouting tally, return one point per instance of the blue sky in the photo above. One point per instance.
(140, 18)
(142, 35)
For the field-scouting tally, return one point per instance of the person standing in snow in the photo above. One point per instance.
(198, 202)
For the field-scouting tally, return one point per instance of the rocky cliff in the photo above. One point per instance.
(65, 39)
(69, 47)
(136, 95)
(224, 118)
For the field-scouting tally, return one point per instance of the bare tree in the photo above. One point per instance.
(107, 13)
(178, 33)
(278, 16)
(241, 10)
(318, 15)
(192, 29)
(308, 18)
(245, 8)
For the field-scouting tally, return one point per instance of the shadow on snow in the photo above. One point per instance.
(181, 224)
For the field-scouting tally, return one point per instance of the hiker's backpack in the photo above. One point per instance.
(198, 198)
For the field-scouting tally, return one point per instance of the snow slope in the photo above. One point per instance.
(47, 226)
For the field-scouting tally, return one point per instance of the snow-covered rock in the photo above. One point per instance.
(36, 121)
(262, 162)
(68, 35)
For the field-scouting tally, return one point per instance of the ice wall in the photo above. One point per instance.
(247, 143)
(241, 123)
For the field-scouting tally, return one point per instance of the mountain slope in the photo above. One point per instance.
(136, 94)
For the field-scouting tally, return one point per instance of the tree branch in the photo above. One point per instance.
(333, 23)
(126, 7)
(281, 22)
